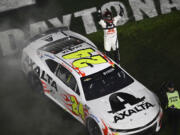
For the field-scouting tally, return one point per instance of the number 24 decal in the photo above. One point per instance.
(77, 108)
(83, 61)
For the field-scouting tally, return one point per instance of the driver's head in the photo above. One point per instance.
(108, 16)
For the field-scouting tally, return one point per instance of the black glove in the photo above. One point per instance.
(121, 11)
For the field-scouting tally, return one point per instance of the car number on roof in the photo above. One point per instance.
(84, 58)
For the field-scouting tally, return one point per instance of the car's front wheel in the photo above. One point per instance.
(93, 127)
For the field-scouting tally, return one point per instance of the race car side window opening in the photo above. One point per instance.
(66, 76)
(105, 82)
(52, 65)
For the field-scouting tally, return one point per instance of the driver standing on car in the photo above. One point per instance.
(172, 106)
(109, 23)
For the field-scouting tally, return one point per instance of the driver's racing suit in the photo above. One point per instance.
(110, 33)
(110, 37)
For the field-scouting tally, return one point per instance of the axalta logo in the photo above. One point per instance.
(136, 109)
(28, 62)
(118, 102)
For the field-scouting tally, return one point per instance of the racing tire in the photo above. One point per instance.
(93, 127)
(35, 82)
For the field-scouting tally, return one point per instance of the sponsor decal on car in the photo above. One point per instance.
(136, 109)
(106, 129)
(84, 58)
(41, 73)
(119, 109)
(44, 76)
(79, 71)
(75, 107)
(66, 67)
(45, 87)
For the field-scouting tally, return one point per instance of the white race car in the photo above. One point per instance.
(69, 69)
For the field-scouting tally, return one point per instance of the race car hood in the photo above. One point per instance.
(129, 108)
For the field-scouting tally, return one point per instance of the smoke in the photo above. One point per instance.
(6, 5)
(24, 111)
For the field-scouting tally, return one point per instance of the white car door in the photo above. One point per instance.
(70, 95)
(51, 79)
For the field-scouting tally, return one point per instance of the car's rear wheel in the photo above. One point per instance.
(93, 127)
(35, 82)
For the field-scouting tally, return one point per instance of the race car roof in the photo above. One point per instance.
(84, 58)
(75, 52)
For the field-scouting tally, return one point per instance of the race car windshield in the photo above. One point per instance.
(105, 82)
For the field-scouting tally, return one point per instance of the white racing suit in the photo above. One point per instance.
(110, 37)
(110, 34)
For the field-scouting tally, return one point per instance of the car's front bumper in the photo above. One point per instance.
(148, 129)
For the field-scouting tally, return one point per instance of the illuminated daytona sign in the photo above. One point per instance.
(139, 9)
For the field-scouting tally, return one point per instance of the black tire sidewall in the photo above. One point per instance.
(92, 121)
